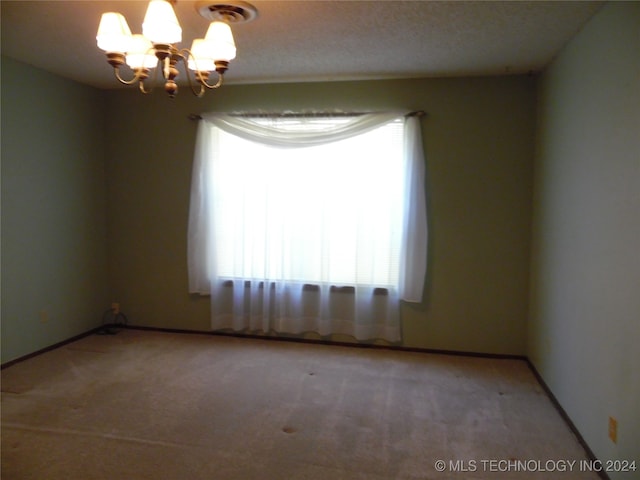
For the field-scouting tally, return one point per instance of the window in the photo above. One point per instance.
(324, 214)
(280, 202)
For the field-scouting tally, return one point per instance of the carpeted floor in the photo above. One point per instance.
(151, 405)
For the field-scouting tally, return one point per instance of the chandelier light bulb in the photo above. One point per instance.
(141, 54)
(201, 59)
(114, 34)
(219, 39)
(160, 23)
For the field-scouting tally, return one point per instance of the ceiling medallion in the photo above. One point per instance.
(230, 12)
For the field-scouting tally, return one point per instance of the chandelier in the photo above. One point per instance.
(156, 47)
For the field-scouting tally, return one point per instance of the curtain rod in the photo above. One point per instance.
(197, 116)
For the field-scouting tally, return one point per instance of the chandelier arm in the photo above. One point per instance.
(143, 86)
(154, 81)
(143, 89)
(218, 84)
(157, 76)
(185, 53)
(198, 93)
(137, 76)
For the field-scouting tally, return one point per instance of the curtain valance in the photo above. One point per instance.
(276, 136)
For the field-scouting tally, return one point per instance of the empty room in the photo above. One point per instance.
(198, 283)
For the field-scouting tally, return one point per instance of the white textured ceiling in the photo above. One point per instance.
(309, 40)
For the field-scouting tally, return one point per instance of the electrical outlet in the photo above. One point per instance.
(44, 316)
(613, 429)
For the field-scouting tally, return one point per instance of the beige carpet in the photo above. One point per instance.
(151, 405)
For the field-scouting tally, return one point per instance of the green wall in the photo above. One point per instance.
(58, 136)
(479, 143)
(54, 257)
(584, 331)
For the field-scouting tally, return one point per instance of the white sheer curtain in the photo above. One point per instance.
(283, 238)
